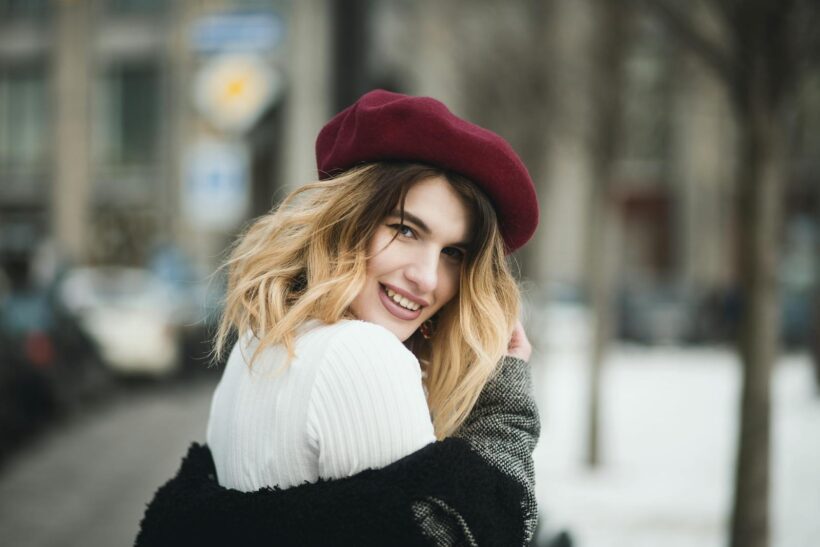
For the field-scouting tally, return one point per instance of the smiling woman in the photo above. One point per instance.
(380, 374)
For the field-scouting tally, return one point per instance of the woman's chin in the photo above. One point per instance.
(401, 332)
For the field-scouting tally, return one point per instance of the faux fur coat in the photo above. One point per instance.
(475, 488)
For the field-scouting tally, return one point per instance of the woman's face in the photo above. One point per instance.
(411, 277)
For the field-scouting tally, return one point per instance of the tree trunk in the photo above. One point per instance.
(602, 268)
(607, 89)
(761, 64)
(760, 197)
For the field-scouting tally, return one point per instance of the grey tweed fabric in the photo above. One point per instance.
(442, 524)
(503, 428)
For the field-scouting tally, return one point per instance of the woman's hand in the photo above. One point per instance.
(519, 345)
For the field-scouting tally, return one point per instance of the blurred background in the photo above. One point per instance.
(671, 289)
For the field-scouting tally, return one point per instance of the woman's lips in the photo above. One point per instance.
(395, 309)
(421, 302)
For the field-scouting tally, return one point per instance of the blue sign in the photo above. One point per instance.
(256, 31)
(216, 188)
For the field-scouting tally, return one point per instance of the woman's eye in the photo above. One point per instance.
(454, 253)
(403, 229)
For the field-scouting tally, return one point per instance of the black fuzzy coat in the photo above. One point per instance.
(374, 507)
(475, 488)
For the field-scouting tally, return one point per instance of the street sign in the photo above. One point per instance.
(240, 31)
(216, 189)
(233, 91)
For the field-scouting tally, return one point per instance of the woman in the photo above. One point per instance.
(378, 392)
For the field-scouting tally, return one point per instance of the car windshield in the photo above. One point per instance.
(115, 287)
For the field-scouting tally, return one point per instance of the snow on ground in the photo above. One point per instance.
(668, 448)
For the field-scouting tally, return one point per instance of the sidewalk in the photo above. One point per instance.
(86, 482)
(668, 449)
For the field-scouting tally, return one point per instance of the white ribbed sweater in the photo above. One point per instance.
(351, 399)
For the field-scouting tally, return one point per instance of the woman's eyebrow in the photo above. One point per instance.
(422, 226)
(414, 219)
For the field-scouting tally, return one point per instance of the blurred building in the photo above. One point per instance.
(128, 123)
(118, 117)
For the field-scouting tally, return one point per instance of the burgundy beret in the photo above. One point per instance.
(383, 126)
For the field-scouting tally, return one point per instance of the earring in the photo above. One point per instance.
(427, 328)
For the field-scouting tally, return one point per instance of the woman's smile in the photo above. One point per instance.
(399, 305)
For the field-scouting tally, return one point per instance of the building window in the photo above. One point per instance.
(136, 6)
(23, 9)
(128, 119)
(23, 119)
(647, 96)
(807, 123)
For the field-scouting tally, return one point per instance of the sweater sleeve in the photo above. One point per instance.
(367, 408)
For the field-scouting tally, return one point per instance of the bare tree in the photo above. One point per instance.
(761, 61)
(607, 84)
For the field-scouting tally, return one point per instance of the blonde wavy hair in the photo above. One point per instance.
(307, 259)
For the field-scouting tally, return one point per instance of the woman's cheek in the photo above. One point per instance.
(450, 289)
(380, 240)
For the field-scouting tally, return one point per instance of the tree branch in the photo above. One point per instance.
(689, 36)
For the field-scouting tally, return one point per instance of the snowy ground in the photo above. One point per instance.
(668, 446)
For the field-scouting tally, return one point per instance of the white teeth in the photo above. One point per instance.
(401, 301)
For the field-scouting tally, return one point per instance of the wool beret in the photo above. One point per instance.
(386, 126)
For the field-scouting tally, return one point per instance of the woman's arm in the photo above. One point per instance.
(502, 428)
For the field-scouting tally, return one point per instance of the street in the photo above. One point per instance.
(87, 484)
(668, 452)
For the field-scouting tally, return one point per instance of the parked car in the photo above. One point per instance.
(656, 314)
(27, 398)
(47, 365)
(199, 296)
(557, 318)
(132, 316)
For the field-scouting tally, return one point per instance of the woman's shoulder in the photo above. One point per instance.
(363, 343)
(354, 331)
(353, 337)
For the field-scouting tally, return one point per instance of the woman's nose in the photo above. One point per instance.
(422, 271)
